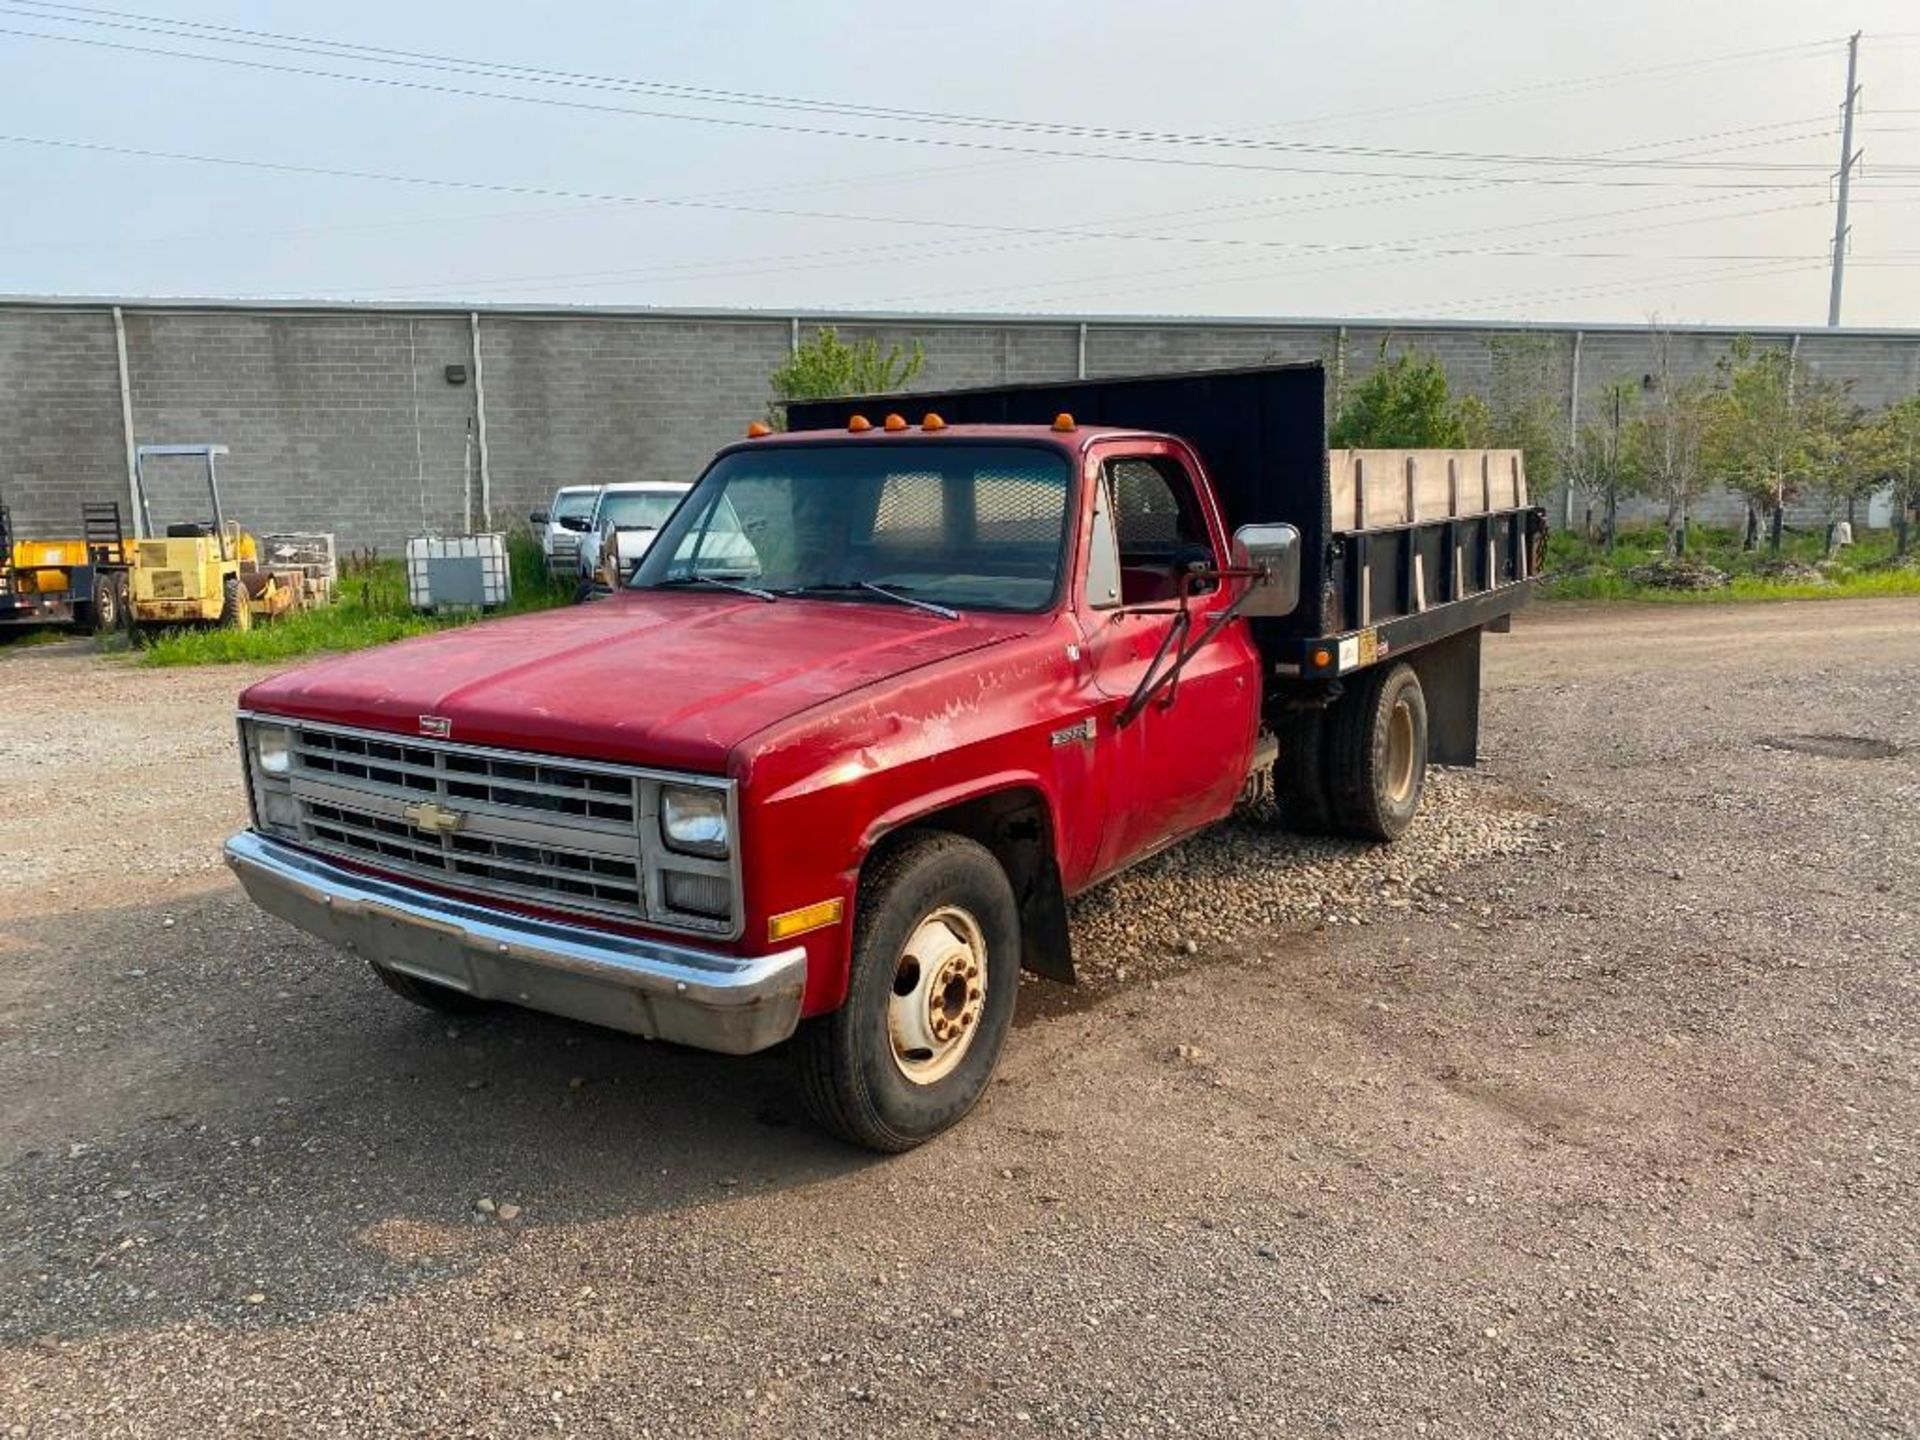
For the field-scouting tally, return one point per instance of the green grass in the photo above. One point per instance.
(370, 608)
(1577, 569)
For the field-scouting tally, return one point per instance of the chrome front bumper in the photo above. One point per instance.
(664, 991)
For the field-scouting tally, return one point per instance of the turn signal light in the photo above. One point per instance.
(808, 917)
(758, 429)
(894, 423)
(1322, 658)
(859, 423)
(1063, 422)
(933, 422)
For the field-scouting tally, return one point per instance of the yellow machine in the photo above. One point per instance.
(199, 572)
(66, 581)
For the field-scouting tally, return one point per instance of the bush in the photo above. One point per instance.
(369, 608)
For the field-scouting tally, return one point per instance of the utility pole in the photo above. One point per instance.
(1613, 477)
(1847, 159)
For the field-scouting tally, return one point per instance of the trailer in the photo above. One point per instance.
(78, 581)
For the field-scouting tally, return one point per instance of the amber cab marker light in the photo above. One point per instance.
(1063, 422)
(933, 422)
(758, 430)
(894, 423)
(859, 423)
(789, 923)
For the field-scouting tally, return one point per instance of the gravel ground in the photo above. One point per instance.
(1586, 1110)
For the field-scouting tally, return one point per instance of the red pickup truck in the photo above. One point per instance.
(882, 695)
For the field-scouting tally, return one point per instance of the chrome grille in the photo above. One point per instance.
(575, 835)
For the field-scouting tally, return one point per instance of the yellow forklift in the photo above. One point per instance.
(199, 571)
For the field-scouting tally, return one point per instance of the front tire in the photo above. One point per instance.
(429, 996)
(930, 997)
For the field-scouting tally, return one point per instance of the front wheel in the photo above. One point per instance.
(930, 997)
(429, 996)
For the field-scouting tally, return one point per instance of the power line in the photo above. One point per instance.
(954, 143)
(1667, 282)
(1244, 272)
(46, 10)
(960, 247)
(980, 226)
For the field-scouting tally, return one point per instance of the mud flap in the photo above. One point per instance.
(1449, 672)
(1046, 946)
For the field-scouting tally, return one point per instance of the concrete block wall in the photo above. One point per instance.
(60, 431)
(335, 422)
(342, 418)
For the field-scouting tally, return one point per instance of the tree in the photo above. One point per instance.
(1525, 408)
(1887, 452)
(1669, 439)
(827, 366)
(1837, 451)
(1759, 445)
(1603, 463)
(1403, 404)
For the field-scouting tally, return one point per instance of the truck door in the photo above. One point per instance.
(1180, 762)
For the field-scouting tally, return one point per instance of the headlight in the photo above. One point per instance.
(694, 822)
(271, 746)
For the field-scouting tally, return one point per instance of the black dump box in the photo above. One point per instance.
(1399, 549)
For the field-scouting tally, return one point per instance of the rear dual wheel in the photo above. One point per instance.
(1359, 767)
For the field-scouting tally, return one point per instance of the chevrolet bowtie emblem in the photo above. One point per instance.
(434, 819)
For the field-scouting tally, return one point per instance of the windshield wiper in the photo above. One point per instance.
(738, 587)
(927, 605)
(897, 596)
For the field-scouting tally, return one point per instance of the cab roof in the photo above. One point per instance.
(1074, 439)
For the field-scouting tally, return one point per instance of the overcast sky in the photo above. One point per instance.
(1479, 158)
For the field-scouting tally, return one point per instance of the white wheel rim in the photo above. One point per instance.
(939, 993)
(1400, 757)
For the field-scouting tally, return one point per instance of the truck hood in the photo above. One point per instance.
(675, 680)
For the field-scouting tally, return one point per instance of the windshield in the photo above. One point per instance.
(574, 504)
(639, 509)
(973, 526)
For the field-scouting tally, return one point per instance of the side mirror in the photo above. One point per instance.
(1274, 551)
(537, 517)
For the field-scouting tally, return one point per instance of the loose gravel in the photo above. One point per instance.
(1598, 1122)
(1252, 875)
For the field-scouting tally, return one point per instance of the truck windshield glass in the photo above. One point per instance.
(574, 504)
(638, 509)
(979, 527)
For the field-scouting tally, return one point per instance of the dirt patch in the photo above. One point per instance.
(1835, 747)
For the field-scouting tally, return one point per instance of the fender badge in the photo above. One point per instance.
(1081, 733)
(437, 726)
